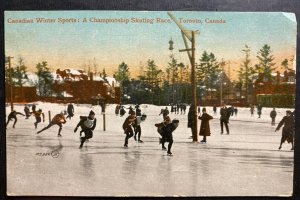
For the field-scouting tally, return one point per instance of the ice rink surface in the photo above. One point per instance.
(245, 163)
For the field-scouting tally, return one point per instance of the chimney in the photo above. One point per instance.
(91, 76)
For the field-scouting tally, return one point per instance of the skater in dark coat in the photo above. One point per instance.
(27, 111)
(167, 135)
(87, 124)
(252, 110)
(273, 116)
(288, 129)
(58, 120)
(138, 111)
(204, 127)
(33, 107)
(130, 110)
(191, 119)
(165, 112)
(38, 117)
(13, 115)
(162, 124)
(122, 111)
(70, 111)
(127, 127)
(259, 109)
(224, 119)
(215, 109)
(117, 110)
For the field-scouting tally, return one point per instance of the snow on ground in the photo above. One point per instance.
(246, 162)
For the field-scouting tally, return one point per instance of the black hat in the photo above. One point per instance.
(92, 113)
(289, 112)
(175, 121)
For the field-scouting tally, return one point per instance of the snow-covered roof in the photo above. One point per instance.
(74, 72)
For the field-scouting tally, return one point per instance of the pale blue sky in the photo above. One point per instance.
(72, 45)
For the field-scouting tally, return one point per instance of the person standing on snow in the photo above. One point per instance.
(191, 119)
(204, 127)
(252, 110)
(127, 127)
(259, 109)
(11, 116)
(87, 124)
(58, 120)
(70, 111)
(27, 111)
(288, 129)
(224, 119)
(273, 114)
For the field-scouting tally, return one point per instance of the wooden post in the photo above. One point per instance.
(194, 95)
(49, 114)
(11, 84)
(104, 128)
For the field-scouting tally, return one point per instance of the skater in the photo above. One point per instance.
(215, 109)
(224, 119)
(167, 135)
(27, 111)
(58, 119)
(288, 129)
(252, 110)
(130, 110)
(137, 127)
(122, 111)
(235, 111)
(204, 127)
(162, 124)
(184, 108)
(33, 107)
(138, 111)
(87, 124)
(191, 119)
(70, 111)
(165, 112)
(38, 117)
(259, 108)
(117, 110)
(273, 114)
(127, 127)
(13, 115)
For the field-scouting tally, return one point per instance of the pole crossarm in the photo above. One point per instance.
(182, 50)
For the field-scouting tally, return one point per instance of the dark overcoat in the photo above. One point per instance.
(288, 128)
(204, 127)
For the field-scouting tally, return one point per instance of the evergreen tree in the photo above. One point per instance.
(246, 72)
(153, 78)
(123, 74)
(45, 79)
(207, 71)
(265, 62)
(20, 73)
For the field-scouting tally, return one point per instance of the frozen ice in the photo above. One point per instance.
(245, 163)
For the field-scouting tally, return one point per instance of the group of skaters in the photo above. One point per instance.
(132, 123)
(288, 122)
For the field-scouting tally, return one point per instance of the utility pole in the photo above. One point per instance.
(191, 36)
(10, 82)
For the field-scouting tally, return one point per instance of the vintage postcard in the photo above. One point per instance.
(150, 103)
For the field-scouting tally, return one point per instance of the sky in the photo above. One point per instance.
(84, 42)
